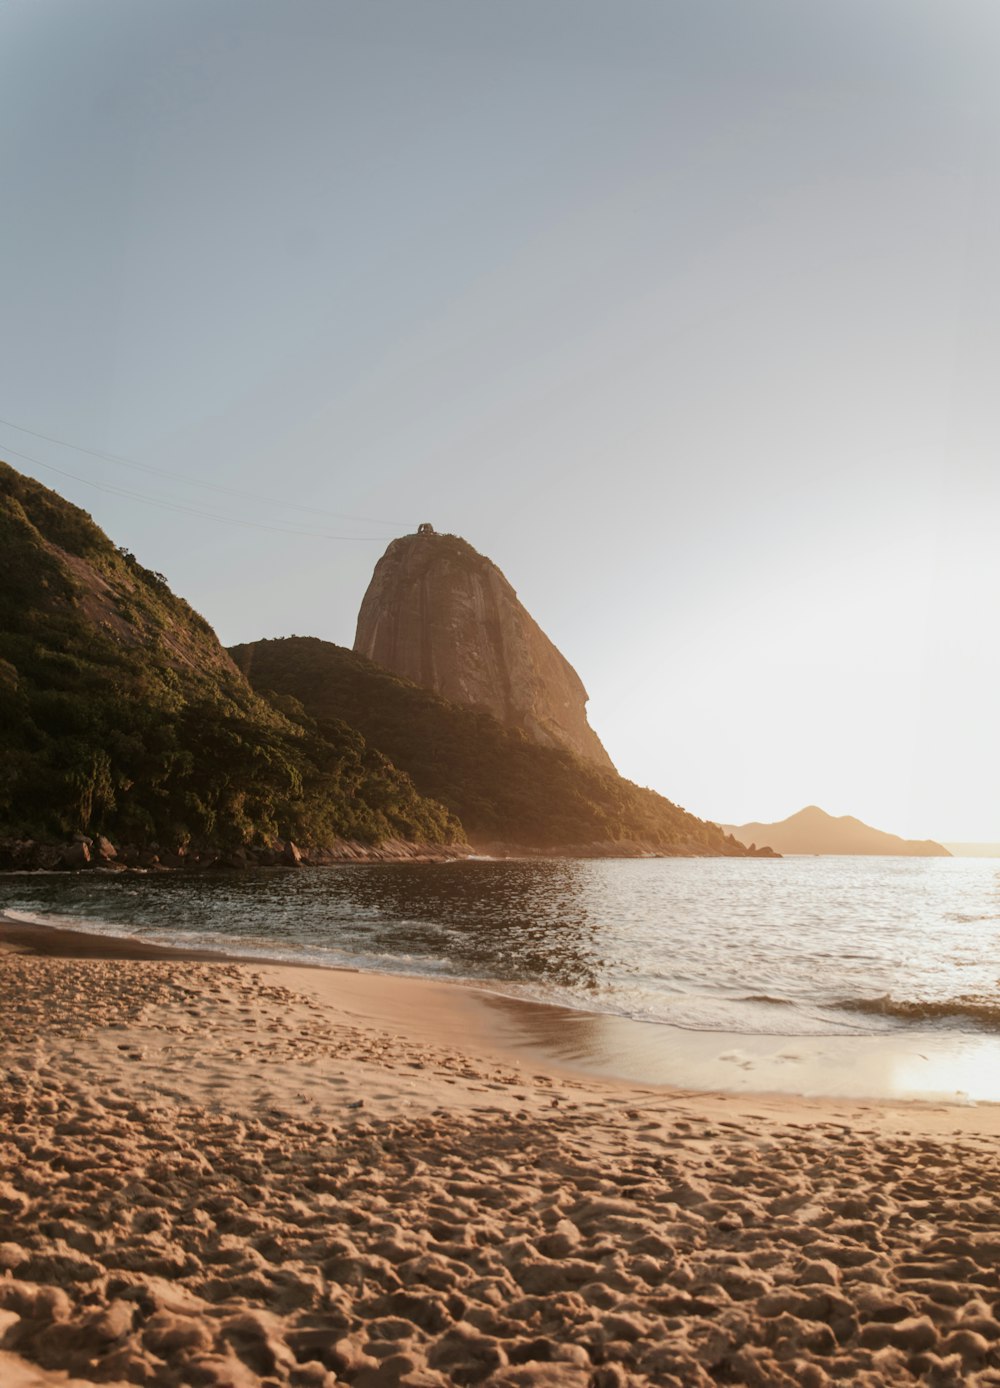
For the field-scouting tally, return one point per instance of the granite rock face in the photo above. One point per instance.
(442, 615)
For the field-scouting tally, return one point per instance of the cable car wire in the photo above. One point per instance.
(179, 507)
(120, 461)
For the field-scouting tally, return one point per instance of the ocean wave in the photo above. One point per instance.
(81, 924)
(984, 1012)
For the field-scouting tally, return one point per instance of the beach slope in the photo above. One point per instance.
(221, 1173)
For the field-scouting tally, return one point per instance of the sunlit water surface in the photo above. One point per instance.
(795, 947)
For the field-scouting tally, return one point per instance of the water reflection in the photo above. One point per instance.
(954, 1069)
(509, 921)
(790, 947)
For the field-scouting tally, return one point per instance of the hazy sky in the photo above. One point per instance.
(685, 313)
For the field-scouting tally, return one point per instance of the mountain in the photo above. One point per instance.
(506, 789)
(127, 729)
(123, 716)
(812, 830)
(443, 616)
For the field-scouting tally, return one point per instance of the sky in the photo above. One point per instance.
(685, 312)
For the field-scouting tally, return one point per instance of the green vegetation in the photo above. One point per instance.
(501, 786)
(122, 715)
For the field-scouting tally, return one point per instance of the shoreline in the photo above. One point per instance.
(69, 858)
(899, 1068)
(240, 1175)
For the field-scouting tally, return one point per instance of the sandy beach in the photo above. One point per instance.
(224, 1173)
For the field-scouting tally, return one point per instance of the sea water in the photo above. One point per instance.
(794, 947)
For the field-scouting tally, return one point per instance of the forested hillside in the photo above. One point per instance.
(122, 715)
(503, 787)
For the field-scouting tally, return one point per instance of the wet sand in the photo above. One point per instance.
(54, 942)
(937, 1066)
(223, 1173)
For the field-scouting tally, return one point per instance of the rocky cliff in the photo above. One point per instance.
(442, 615)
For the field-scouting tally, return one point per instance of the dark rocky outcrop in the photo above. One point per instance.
(442, 615)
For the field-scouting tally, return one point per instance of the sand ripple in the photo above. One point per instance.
(188, 1197)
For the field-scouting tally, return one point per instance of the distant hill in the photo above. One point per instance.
(442, 615)
(121, 714)
(973, 850)
(812, 830)
(505, 788)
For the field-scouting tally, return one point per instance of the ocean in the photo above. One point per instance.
(791, 947)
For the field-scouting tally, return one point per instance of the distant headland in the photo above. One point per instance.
(812, 830)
